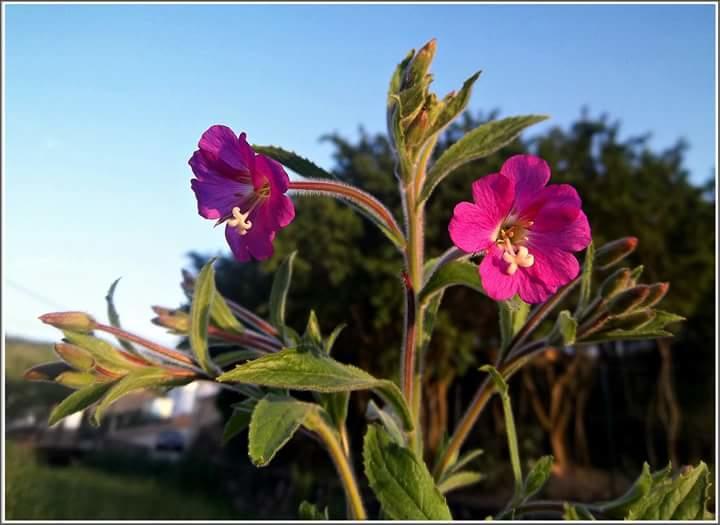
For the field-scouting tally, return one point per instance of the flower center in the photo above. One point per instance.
(240, 221)
(515, 254)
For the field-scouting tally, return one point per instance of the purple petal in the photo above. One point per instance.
(570, 236)
(556, 206)
(495, 280)
(474, 227)
(530, 289)
(272, 171)
(256, 244)
(221, 145)
(216, 195)
(530, 174)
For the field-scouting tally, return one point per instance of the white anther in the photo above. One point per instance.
(239, 221)
(522, 258)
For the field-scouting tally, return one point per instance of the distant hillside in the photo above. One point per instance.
(21, 354)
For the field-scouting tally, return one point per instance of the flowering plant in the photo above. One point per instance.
(524, 232)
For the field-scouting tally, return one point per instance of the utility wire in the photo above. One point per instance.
(38, 297)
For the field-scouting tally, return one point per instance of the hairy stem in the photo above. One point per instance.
(158, 349)
(343, 466)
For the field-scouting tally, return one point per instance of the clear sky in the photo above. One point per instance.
(104, 105)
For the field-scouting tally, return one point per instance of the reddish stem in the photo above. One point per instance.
(409, 350)
(167, 352)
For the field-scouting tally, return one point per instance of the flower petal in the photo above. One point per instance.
(572, 236)
(256, 244)
(497, 283)
(217, 195)
(553, 267)
(267, 169)
(221, 145)
(556, 206)
(530, 174)
(474, 227)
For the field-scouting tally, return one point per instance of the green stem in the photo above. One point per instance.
(512, 443)
(342, 465)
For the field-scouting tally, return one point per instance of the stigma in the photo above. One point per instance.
(516, 256)
(240, 221)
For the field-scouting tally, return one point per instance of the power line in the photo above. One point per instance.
(38, 297)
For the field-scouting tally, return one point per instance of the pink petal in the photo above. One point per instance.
(221, 144)
(272, 171)
(256, 244)
(217, 195)
(238, 244)
(495, 280)
(474, 227)
(530, 174)
(570, 235)
(530, 289)
(553, 267)
(556, 206)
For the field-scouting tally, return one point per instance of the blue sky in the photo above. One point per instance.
(105, 104)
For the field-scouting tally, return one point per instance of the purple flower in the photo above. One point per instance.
(243, 189)
(528, 231)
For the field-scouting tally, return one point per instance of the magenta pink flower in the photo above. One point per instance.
(527, 231)
(243, 189)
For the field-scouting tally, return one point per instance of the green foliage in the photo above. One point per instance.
(78, 401)
(310, 512)
(452, 274)
(203, 296)
(481, 142)
(278, 294)
(114, 317)
(295, 162)
(537, 477)
(460, 479)
(273, 423)
(239, 420)
(104, 354)
(512, 314)
(306, 370)
(586, 278)
(565, 329)
(401, 482)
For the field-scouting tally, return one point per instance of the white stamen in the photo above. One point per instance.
(239, 221)
(521, 258)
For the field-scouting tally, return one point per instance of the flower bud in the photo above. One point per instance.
(631, 321)
(627, 301)
(74, 321)
(174, 320)
(657, 292)
(613, 252)
(77, 357)
(420, 64)
(418, 127)
(615, 283)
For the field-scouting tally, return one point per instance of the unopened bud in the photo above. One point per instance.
(418, 127)
(635, 274)
(172, 319)
(615, 283)
(420, 64)
(631, 321)
(613, 252)
(657, 292)
(627, 301)
(74, 321)
(77, 357)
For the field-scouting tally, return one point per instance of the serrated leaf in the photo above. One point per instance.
(537, 477)
(77, 401)
(273, 422)
(293, 161)
(459, 480)
(309, 512)
(138, 379)
(303, 370)
(478, 143)
(114, 317)
(279, 291)
(401, 482)
(451, 274)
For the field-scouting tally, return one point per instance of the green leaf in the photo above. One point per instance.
(273, 422)
(76, 357)
(500, 383)
(459, 480)
(464, 460)
(279, 291)
(203, 297)
(401, 482)
(221, 314)
(293, 161)
(228, 358)
(453, 273)
(239, 420)
(77, 401)
(336, 405)
(303, 370)
(453, 105)
(480, 142)
(565, 328)
(682, 498)
(73, 379)
(309, 512)
(586, 279)
(388, 420)
(513, 314)
(537, 477)
(312, 331)
(114, 317)
(330, 341)
(138, 379)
